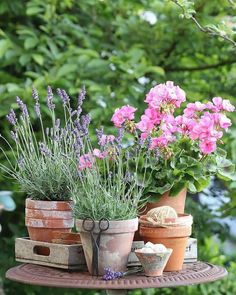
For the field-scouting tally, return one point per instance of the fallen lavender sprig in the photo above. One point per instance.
(112, 275)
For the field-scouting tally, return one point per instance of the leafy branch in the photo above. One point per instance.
(219, 31)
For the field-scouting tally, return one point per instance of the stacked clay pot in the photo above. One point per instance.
(172, 232)
(43, 218)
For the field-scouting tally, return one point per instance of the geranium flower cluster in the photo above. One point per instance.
(202, 122)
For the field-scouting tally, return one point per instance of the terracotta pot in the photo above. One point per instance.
(43, 218)
(115, 244)
(153, 263)
(66, 238)
(177, 202)
(175, 238)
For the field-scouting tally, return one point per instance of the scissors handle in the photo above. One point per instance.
(103, 224)
(88, 224)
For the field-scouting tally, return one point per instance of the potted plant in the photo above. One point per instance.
(106, 199)
(183, 151)
(39, 164)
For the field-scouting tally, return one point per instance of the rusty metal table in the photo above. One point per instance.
(192, 273)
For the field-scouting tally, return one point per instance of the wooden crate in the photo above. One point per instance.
(191, 251)
(50, 254)
(133, 259)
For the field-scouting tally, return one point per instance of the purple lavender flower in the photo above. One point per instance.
(14, 136)
(85, 121)
(11, 117)
(78, 126)
(111, 275)
(50, 103)
(44, 149)
(119, 137)
(64, 96)
(99, 133)
(22, 107)
(36, 98)
(81, 97)
(149, 141)
(35, 94)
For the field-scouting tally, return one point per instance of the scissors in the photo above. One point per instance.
(89, 226)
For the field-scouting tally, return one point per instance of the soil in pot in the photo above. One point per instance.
(43, 218)
(115, 244)
(175, 238)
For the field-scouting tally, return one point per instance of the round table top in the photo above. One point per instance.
(192, 273)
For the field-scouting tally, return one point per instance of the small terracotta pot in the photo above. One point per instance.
(175, 238)
(177, 202)
(115, 244)
(43, 218)
(153, 263)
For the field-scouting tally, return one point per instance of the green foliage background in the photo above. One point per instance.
(106, 46)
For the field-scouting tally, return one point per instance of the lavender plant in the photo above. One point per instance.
(107, 186)
(41, 163)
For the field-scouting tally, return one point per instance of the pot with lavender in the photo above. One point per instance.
(42, 160)
(107, 199)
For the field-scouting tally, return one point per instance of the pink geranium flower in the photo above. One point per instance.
(105, 139)
(192, 108)
(208, 145)
(123, 114)
(148, 121)
(85, 161)
(222, 120)
(146, 124)
(223, 105)
(99, 154)
(165, 94)
(161, 141)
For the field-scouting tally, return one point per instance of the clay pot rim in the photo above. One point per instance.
(168, 251)
(49, 205)
(166, 232)
(115, 226)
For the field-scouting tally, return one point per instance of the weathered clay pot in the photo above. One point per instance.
(115, 244)
(177, 202)
(175, 238)
(153, 263)
(66, 238)
(42, 218)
